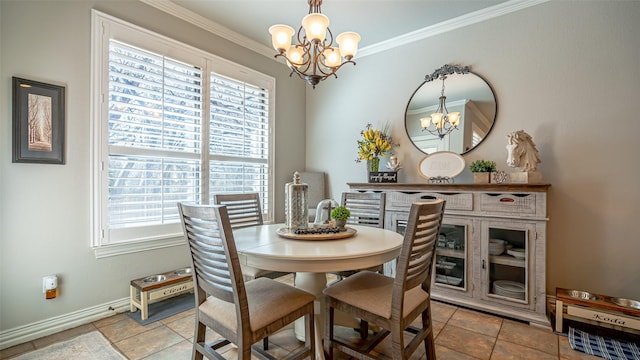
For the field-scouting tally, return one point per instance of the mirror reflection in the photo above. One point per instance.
(465, 93)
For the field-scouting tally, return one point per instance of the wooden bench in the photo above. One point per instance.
(601, 310)
(154, 288)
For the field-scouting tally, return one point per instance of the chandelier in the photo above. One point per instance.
(314, 58)
(443, 121)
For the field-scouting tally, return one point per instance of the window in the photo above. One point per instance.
(173, 124)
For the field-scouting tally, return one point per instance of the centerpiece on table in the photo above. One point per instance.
(373, 145)
(340, 215)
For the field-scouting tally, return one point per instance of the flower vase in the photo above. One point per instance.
(374, 164)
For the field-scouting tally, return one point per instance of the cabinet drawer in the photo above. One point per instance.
(398, 200)
(520, 204)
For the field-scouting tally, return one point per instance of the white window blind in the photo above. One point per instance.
(173, 123)
(154, 125)
(239, 138)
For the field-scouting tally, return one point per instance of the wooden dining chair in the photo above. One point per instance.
(366, 209)
(244, 210)
(392, 303)
(243, 313)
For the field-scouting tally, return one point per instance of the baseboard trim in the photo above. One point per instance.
(38, 329)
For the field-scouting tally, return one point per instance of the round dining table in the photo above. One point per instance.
(311, 259)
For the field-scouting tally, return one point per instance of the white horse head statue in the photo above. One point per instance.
(521, 151)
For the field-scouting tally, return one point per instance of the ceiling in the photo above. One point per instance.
(246, 22)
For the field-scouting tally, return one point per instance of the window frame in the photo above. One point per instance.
(104, 28)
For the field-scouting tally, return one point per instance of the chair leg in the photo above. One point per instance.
(364, 330)
(310, 331)
(328, 331)
(397, 343)
(198, 338)
(429, 345)
(265, 343)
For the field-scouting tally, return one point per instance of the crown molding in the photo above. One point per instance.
(449, 25)
(200, 21)
(461, 21)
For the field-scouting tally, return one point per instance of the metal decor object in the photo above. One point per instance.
(295, 207)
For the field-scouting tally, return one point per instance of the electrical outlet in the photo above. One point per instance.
(50, 286)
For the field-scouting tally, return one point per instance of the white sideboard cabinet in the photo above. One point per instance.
(491, 252)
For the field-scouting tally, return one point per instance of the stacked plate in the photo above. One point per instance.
(509, 288)
(447, 265)
(450, 280)
(496, 246)
(517, 253)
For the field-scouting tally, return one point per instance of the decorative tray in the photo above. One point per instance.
(290, 234)
(441, 164)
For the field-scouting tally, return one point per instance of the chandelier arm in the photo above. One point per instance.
(290, 63)
(330, 38)
(302, 40)
(335, 69)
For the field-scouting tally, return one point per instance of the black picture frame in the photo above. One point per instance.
(38, 122)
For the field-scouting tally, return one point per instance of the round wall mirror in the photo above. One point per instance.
(464, 92)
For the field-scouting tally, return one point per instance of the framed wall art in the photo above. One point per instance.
(38, 122)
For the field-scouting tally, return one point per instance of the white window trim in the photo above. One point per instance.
(103, 25)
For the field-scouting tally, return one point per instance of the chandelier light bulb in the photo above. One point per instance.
(454, 118)
(348, 42)
(436, 119)
(295, 55)
(315, 26)
(281, 36)
(425, 122)
(331, 57)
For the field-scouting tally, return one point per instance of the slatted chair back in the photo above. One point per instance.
(415, 262)
(214, 255)
(244, 209)
(366, 208)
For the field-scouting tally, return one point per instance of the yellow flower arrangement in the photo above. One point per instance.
(374, 143)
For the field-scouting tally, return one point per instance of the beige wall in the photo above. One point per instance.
(567, 73)
(45, 209)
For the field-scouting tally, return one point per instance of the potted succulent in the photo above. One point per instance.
(482, 170)
(340, 214)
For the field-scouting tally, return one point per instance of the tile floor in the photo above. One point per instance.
(459, 334)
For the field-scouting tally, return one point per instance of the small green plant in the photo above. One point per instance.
(340, 213)
(482, 166)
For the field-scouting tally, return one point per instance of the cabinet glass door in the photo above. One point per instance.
(508, 251)
(450, 264)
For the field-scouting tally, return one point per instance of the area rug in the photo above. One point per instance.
(164, 309)
(603, 347)
(90, 346)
